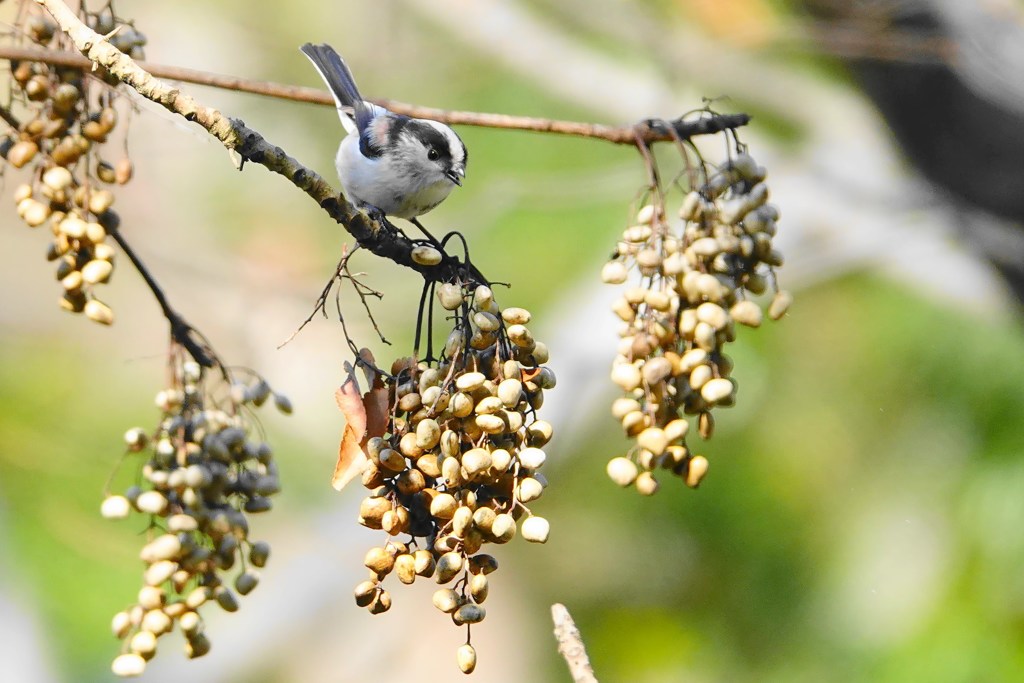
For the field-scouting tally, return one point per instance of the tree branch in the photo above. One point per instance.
(181, 331)
(620, 135)
(570, 645)
(378, 237)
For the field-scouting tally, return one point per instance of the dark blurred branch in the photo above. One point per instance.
(855, 40)
(622, 135)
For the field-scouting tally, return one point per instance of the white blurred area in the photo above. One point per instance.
(848, 203)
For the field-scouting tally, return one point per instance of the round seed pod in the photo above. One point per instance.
(470, 381)
(123, 171)
(531, 457)
(700, 376)
(653, 439)
(503, 528)
(491, 424)
(153, 503)
(529, 489)
(405, 568)
(190, 622)
(105, 172)
(426, 256)
(483, 518)
(156, 622)
(392, 460)
(656, 370)
(622, 471)
(160, 571)
(198, 597)
(428, 433)
(747, 313)
(143, 644)
(478, 588)
(225, 598)
(115, 507)
(94, 131)
(489, 405)
(447, 600)
(626, 375)
(695, 471)
(379, 561)
(99, 312)
(676, 429)
(520, 336)
(780, 304)
(468, 614)
(21, 153)
(197, 646)
(150, 597)
(536, 529)
(381, 603)
(462, 521)
(97, 271)
(501, 459)
(365, 592)
(623, 406)
(510, 392)
(515, 316)
(712, 314)
(395, 521)
(246, 582)
(449, 295)
(477, 460)
(423, 563)
(443, 506)
(259, 553)
(128, 665)
(539, 433)
(451, 470)
(706, 425)
(646, 484)
(717, 390)
(704, 336)
(448, 567)
(57, 178)
(466, 658)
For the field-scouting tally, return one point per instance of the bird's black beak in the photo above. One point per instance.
(456, 175)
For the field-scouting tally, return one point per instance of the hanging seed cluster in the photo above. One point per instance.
(200, 477)
(695, 281)
(459, 462)
(66, 115)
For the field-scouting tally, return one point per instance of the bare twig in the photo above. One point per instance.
(181, 331)
(621, 135)
(570, 645)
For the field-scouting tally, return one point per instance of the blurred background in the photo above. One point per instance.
(862, 518)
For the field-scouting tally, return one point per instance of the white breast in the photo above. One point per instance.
(386, 185)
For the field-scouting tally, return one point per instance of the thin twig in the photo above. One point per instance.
(570, 645)
(181, 331)
(377, 236)
(621, 135)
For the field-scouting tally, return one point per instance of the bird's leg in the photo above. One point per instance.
(415, 221)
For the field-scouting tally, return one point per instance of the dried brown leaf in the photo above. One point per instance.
(351, 456)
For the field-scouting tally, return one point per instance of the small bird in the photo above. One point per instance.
(394, 164)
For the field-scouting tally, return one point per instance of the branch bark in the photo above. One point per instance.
(378, 237)
(620, 135)
(570, 645)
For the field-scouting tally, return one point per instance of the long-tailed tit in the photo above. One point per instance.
(401, 166)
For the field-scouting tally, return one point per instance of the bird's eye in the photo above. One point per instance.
(433, 154)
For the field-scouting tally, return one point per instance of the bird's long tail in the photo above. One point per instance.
(336, 75)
